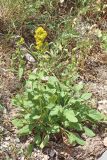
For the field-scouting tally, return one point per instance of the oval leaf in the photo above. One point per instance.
(89, 132)
(86, 96)
(70, 116)
(44, 142)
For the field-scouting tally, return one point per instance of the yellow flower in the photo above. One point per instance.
(40, 35)
(21, 41)
(39, 45)
(40, 31)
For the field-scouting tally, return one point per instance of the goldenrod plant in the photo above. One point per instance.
(40, 36)
(50, 30)
(49, 106)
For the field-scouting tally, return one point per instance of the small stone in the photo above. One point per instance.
(61, 1)
(7, 138)
(46, 157)
(22, 158)
(105, 141)
(52, 153)
(5, 144)
(17, 140)
(9, 148)
(104, 156)
(29, 58)
(102, 106)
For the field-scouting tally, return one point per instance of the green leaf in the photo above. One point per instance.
(95, 115)
(1, 107)
(37, 139)
(55, 110)
(72, 101)
(50, 106)
(50, 90)
(53, 99)
(30, 149)
(27, 116)
(89, 132)
(73, 138)
(70, 115)
(18, 122)
(62, 94)
(86, 96)
(36, 97)
(66, 124)
(44, 142)
(28, 104)
(32, 77)
(55, 129)
(63, 87)
(41, 75)
(76, 126)
(80, 141)
(24, 130)
(79, 87)
(36, 117)
(52, 80)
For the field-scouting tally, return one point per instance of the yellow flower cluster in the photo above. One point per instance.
(40, 35)
(22, 41)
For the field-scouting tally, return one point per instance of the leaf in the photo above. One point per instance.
(28, 103)
(79, 86)
(36, 117)
(89, 132)
(18, 122)
(66, 124)
(44, 142)
(53, 99)
(32, 76)
(95, 115)
(55, 111)
(41, 75)
(86, 96)
(27, 116)
(73, 138)
(80, 141)
(72, 101)
(30, 149)
(76, 126)
(84, 1)
(62, 94)
(52, 80)
(1, 107)
(36, 97)
(50, 90)
(69, 115)
(63, 87)
(25, 130)
(50, 106)
(55, 129)
(37, 139)
(20, 72)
